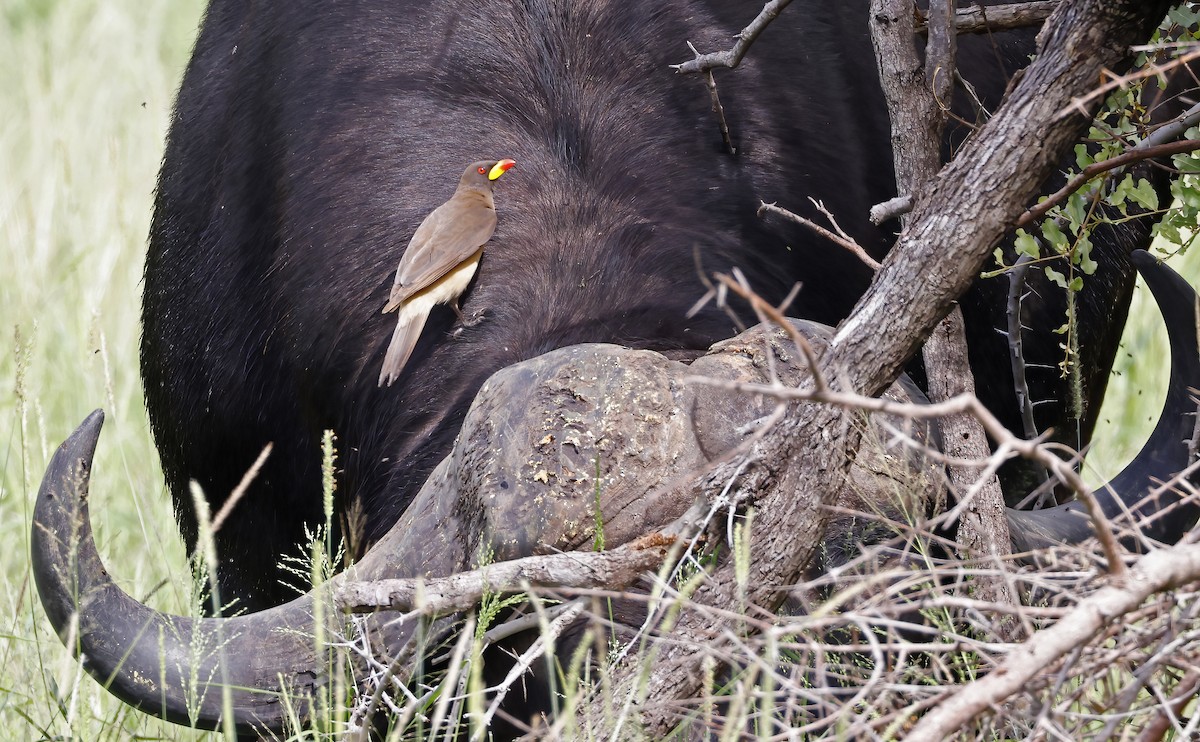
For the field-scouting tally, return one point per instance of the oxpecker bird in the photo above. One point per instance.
(441, 260)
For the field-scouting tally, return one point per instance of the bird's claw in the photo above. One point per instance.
(475, 318)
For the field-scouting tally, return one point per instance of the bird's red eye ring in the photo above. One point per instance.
(482, 170)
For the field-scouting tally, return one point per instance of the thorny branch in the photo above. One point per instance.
(1080, 104)
(1015, 332)
(963, 404)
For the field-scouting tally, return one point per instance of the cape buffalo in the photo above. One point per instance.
(308, 143)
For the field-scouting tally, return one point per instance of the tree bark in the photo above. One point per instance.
(917, 104)
(797, 467)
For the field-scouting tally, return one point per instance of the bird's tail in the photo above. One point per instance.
(408, 330)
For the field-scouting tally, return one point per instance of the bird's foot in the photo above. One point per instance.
(464, 321)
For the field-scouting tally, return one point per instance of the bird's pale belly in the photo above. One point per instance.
(442, 291)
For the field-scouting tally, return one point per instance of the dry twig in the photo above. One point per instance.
(732, 57)
(1156, 572)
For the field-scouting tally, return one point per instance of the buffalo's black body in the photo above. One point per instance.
(311, 138)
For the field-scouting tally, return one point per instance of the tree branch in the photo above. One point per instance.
(918, 109)
(989, 18)
(459, 592)
(890, 209)
(854, 247)
(1174, 128)
(1137, 154)
(732, 57)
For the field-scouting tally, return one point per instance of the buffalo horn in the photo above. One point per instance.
(1168, 515)
(169, 666)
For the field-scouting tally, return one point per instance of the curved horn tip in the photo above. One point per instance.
(60, 534)
(78, 449)
(82, 441)
(87, 433)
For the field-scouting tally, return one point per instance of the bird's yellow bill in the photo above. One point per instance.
(500, 168)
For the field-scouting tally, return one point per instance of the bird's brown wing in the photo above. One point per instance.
(448, 236)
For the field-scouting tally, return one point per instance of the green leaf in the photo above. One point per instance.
(1143, 195)
(1083, 157)
(1167, 231)
(1056, 277)
(1076, 211)
(1120, 194)
(1054, 235)
(1025, 244)
(1190, 196)
(1083, 255)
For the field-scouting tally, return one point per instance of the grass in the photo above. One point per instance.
(86, 90)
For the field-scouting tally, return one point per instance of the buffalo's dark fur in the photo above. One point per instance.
(311, 138)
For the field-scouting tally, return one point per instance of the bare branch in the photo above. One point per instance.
(459, 592)
(852, 246)
(939, 55)
(918, 107)
(1173, 129)
(963, 404)
(717, 108)
(1016, 345)
(820, 206)
(775, 315)
(983, 529)
(731, 58)
(544, 641)
(989, 18)
(890, 209)
(915, 113)
(1157, 729)
(1081, 103)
